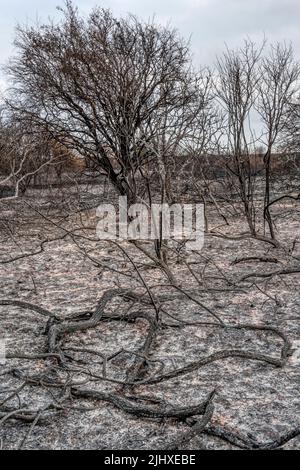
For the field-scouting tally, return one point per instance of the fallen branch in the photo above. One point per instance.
(213, 358)
(128, 406)
(281, 272)
(261, 259)
(28, 306)
(196, 429)
(249, 444)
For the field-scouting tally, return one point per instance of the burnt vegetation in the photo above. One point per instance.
(145, 344)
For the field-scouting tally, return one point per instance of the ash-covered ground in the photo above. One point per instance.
(231, 282)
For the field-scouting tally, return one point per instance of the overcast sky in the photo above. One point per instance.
(210, 23)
